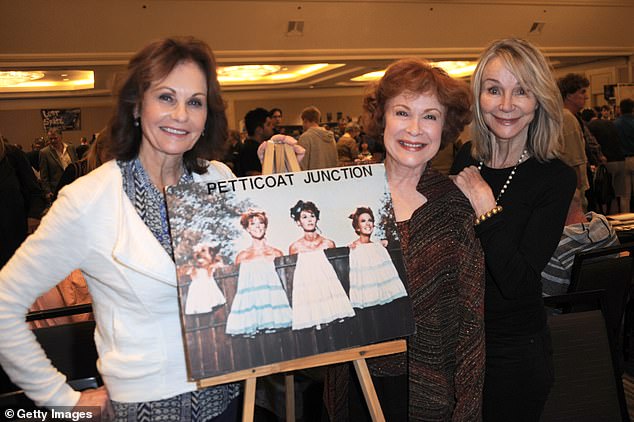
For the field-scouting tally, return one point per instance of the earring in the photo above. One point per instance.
(202, 134)
(137, 122)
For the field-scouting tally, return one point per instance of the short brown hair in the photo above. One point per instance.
(311, 114)
(153, 63)
(250, 214)
(419, 77)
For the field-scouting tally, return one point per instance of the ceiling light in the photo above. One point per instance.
(249, 72)
(263, 74)
(15, 78)
(457, 69)
(46, 80)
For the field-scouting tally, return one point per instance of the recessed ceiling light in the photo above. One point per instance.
(46, 80)
(457, 69)
(266, 74)
(17, 77)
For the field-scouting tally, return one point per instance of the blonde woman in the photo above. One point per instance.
(520, 193)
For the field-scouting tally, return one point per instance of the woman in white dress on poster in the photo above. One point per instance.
(260, 303)
(373, 277)
(204, 294)
(318, 297)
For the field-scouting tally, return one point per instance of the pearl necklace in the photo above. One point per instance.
(508, 179)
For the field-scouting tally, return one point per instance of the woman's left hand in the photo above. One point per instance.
(282, 139)
(476, 189)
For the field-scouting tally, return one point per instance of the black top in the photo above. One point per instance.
(520, 240)
(608, 137)
(249, 161)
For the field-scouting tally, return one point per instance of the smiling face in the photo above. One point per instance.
(365, 224)
(307, 221)
(174, 112)
(413, 129)
(256, 227)
(507, 107)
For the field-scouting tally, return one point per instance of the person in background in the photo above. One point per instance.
(521, 193)
(82, 149)
(606, 134)
(347, 148)
(95, 156)
(319, 143)
(577, 142)
(415, 108)
(625, 127)
(233, 150)
(259, 129)
(54, 159)
(34, 154)
(18, 186)
(582, 232)
(276, 120)
(605, 112)
(112, 225)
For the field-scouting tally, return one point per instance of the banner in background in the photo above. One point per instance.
(65, 119)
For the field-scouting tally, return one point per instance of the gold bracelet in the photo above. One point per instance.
(489, 214)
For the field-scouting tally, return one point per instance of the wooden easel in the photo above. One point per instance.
(357, 355)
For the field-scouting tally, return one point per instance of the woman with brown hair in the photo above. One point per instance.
(417, 108)
(112, 225)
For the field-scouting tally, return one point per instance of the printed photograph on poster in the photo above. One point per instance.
(282, 266)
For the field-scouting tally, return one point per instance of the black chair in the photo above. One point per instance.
(610, 269)
(71, 349)
(588, 384)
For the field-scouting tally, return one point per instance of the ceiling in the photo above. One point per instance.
(361, 35)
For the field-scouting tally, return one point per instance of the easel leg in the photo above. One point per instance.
(361, 367)
(289, 381)
(249, 400)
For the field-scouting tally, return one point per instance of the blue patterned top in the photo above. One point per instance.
(150, 204)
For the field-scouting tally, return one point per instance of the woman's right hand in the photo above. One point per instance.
(476, 189)
(96, 397)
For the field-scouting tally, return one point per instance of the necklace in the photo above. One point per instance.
(508, 179)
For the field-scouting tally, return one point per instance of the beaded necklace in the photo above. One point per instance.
(508, 179)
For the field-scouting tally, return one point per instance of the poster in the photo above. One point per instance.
(270, 268)
(64, 119)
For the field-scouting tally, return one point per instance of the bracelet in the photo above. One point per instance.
(489, 214)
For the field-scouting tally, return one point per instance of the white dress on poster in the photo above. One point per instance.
(260, 303)
(203, 294)
(318, 297)
(373, 277)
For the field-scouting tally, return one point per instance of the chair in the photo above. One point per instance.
(588, 384)
(610, 269)
(71, 349)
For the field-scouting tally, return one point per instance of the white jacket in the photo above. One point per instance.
(93, 226)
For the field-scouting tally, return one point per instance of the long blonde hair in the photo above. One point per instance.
(534, 73)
